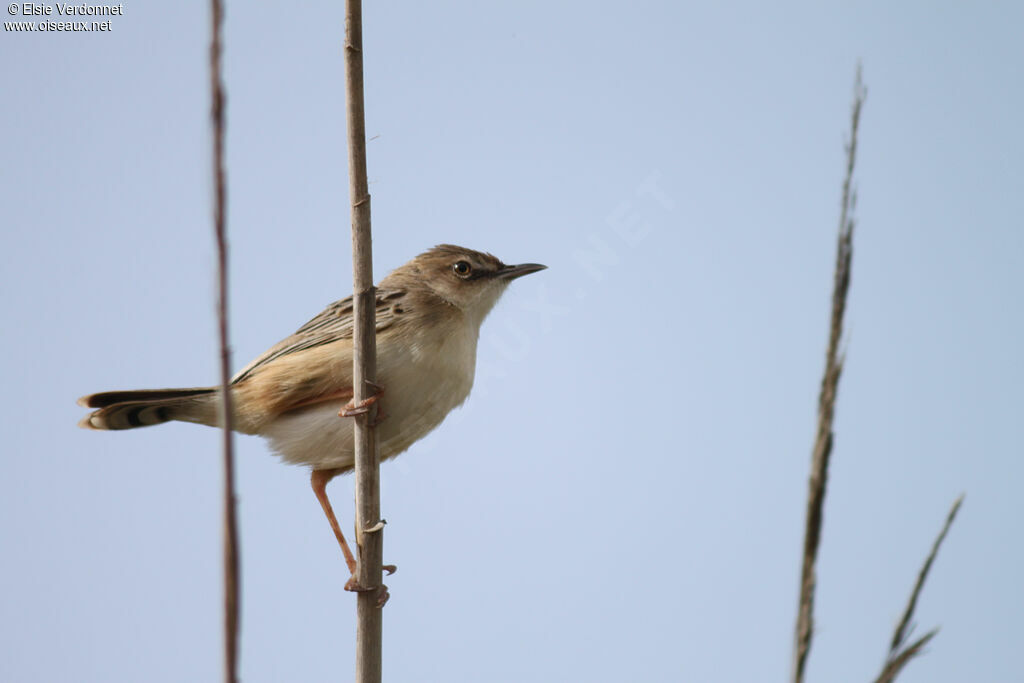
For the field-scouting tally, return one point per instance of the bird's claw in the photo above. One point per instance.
(382, 596)
(351, 409)
(382, 591)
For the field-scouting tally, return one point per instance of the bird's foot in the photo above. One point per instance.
(381, 591)
(351, 409)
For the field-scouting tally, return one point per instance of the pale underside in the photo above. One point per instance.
(419, 390)
(291, 393)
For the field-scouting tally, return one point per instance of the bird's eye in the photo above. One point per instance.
(462, 269)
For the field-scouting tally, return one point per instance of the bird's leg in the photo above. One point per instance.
(319, 479)
(352, 409)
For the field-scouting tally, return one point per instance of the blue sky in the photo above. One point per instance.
(622, 497)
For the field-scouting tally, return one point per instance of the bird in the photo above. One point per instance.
(428, 318)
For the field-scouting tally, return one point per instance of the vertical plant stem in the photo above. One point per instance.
(230, 524)
(370, 543)
(826, 402)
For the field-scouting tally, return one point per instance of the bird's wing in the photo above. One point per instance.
(333, 324)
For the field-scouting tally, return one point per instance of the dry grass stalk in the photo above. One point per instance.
(826, 400)
(230, 523)
(898, 654)
(369, 624)
(895, 664)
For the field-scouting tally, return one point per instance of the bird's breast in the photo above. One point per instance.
(423, 376)
(423, 381)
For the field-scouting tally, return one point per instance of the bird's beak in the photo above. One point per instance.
(512, 272)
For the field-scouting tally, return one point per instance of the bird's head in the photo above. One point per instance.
(472, 281)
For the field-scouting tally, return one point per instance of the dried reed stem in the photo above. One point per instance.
(894, 665)
(230, 523)
(826, 401)
(370, 543)
(898, 654)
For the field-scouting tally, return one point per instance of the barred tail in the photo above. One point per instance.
(130, 409)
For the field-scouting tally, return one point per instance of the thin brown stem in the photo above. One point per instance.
(230, 523)
(898, 654)
(364, 371)
(894, 665)
(826, 401)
